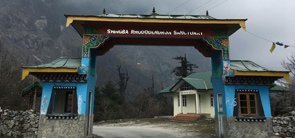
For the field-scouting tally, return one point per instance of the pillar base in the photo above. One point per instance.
(246, 129)
(63, 127)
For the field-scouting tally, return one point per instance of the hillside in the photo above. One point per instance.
(33, 32)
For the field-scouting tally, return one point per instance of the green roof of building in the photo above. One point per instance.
(60, 65)
(31, 87)
(167, 89)
(199, 81)
(247, 65)
(203, 77)
(61, 62)
(196, 83)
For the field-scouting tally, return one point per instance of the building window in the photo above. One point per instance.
(184, 100)
(247, 103)
(186, 86)
(212, 100)
(63, 101)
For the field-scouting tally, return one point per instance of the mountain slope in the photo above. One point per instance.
(33, 32)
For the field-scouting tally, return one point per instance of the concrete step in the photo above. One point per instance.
(189, 117)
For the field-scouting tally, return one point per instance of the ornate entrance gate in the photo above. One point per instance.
(208, 35)
(75, 78)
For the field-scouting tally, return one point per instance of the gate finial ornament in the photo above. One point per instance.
(104, 11)
(154, 11)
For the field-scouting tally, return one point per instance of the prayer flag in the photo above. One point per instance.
(280, 44)
(272, 47)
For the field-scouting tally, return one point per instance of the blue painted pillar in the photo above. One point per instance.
(220, 68)
(230, 99)
(45, 98)
(88, 67)
(265, 100)
(218, 90)
(91, 81)
(216, 78)
(84, 69)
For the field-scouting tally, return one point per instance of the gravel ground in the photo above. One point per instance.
(154, 127)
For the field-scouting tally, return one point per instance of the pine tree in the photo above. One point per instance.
(185, 68)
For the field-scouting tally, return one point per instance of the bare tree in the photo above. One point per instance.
(283, 102)
(123, 80)
(151, 90)
(290, 65)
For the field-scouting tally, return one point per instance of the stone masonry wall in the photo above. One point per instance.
(284, 126)
(246, 129)
(18, 123)
(60, 127)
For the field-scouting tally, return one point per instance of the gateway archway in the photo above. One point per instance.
(208, 35)
(75, 78)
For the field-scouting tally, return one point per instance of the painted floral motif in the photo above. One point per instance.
(91, 41)
(225, 42)
(219, 44)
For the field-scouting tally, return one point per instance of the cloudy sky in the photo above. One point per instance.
(270, 19)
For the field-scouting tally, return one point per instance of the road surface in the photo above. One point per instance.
(134, 132)
(153, 128)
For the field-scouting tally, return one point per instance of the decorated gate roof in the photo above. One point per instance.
(156, 16)
(60, 65)
(246, 65)
(100, 21)
(250, 68)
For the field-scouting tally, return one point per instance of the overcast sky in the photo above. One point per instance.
(271, 19)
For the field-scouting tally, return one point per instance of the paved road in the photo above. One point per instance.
(134, 132)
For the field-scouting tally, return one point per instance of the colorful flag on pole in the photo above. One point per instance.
(273, 47)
